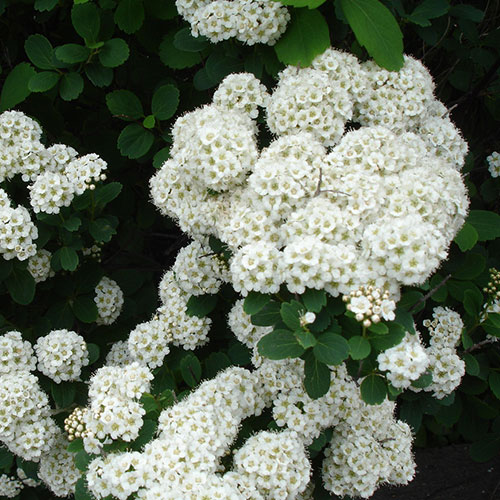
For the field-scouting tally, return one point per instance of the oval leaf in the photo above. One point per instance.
(15, 88)
(135, 141)
(41, 82)
(114, 53)
(124, 104)
(40, 51)
(280, 344)
(373, 389)
(317, 377)
(331, 348)
(165, 102)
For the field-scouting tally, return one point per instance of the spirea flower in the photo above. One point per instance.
(109, 301)
(493, 161)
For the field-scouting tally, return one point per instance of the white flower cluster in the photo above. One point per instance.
(148, 343)
(320, 207)
(114, 411)
(404, 362)
(370, 305)
(61, 355)
(9, 486)
(15, 353)
(109, 301)
(39, 266)
(55, 175)
(58, 470)
(241, 325)
(250, 21)
(493, 161)
(446, 366)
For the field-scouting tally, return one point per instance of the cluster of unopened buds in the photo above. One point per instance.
(74, 424)
(370, 305)
(493, 287)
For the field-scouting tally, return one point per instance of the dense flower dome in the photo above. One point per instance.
(360, 185)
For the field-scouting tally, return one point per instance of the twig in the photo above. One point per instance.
(430, 294)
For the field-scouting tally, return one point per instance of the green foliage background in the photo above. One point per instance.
(110, 77)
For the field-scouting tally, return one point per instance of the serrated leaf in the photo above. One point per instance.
(373, 389)
(40, 51)
(280, 344)
(86, 21)
(21, 286)
(425, 380)
(473, 302)
(73, 223)
(72, 53)
(191, 369)
(467, 237)
(378, 328)
(63, 393)
(317, 376)
(41, 82)
(104, 194)
(428, 9)
(290, 314)
(186, 42)
(306, 37)
(99, 75)
(471, 364)
(269, 315)
(146, 434)
(135, 141)
(175, 58)
(165, 102)
(124, 104)
(467, 266)
(15, 88)
(359, 347)
(85, 308)
(68, 258)
(101, 230)
(82, 460)
(467, 12)
(486, 223)
(305, 339)
(405, 319)
(70, 86)
(394, 337)
(201, 305)
(377, 30)
(45, 5)
(94, 352)
(129, 15)
(75, 445)
(255, 301)
(161, 157)
(331, 348)
(114, 53)
(314, 300)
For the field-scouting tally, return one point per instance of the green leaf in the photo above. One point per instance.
(149, 122)
(63, 393)
(40, 51)
(201, 305)
(165, 102)
(306, 37)
(114, 53)
(305, 339)
(486, 448)
(494, 380)
(146, 434)
(185, 41)
(425, 380)
(359, 347)
(467, 237)
(467, 266)
(373, 389)
(311, 4)
(75, 445)
(135, 141)
(94, 352)
(467, 12)
(71, 86)
(161, 157)
(440, 290)
(174, 58)
(290, 314)
(216, 362)
(82, 460)
(86, 21)
(376, 30)
(106, 193)
(314, 300)
(317, 377)
(99, 75)
(191, 369)
(85, 308)
(29, 468)
(41, 82)
(411, 413)
(471, 364)
(219, 65)
(45, 5)
(428, 9)
(269, 315)
(467, 342)
(101, 230)
(487, 224)
(378, 328)
(6, 459)
(72, 53)
(331, 348)
(68, 258)
(5, 268)
(473, 302)
(394, 337)
(73, 223)
(15, 88)
(124, 104)
(21, 286)
(129, 15)
(280, 344)
(255, 301)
